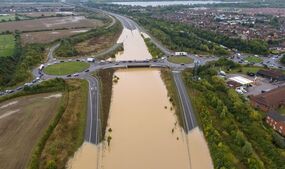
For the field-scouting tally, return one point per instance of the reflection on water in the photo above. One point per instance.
(142, 125)
(134, 46)
(199, 151)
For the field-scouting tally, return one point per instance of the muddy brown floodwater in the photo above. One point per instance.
(142, 131)
(134, 46)
(145, 132)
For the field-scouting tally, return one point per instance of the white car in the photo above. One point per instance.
(76, 74)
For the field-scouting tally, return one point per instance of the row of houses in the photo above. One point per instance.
(270, 101)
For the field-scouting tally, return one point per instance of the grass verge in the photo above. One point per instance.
(153, 50)
(180, 59)
(253, 59)
(66, 132)
(66, 68)
(172, 93)
(106, 84)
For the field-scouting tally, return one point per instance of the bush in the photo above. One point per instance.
(278, 140)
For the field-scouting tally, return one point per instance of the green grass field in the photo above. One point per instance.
(7, 45)
(245, 69)
(180, 59)
(7, 18)
(253, 59)
(66, 68)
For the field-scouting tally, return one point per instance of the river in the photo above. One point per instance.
(142, 130)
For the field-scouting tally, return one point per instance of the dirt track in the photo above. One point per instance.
(23, 122)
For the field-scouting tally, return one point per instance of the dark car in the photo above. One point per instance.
(20, 88)
(77, 60)
(250, 74)
(68, 76)
(62, 61)
(87, 70)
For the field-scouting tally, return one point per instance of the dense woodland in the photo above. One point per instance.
(235, 132)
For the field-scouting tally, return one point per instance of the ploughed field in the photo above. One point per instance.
(22, 122)
(51, 23)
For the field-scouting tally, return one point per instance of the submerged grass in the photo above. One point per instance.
(172, 93)
(106, 84)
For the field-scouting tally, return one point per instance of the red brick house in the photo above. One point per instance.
(271, 100)
(276, 121)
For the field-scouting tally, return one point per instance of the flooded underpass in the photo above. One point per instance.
(143, 131)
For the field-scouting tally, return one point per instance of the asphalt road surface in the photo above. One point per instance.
(92, 132)
(188, 113)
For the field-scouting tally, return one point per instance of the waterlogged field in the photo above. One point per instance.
(51, 23)
(66, 68)
(22, 122)
(7, 45)
(49, 36)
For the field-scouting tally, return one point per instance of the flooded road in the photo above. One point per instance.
(134, 46)
(145, 132)
(142, 131)
(85, 157)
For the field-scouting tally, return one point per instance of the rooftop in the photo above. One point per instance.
(276, 116)
(274, 97)
(241, 80)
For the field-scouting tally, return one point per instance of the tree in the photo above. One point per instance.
(247, 149)
(282, 60)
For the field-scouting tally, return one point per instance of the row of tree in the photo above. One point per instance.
(67, 47)
(179, 36)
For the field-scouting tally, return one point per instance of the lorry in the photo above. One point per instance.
(90, 59)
